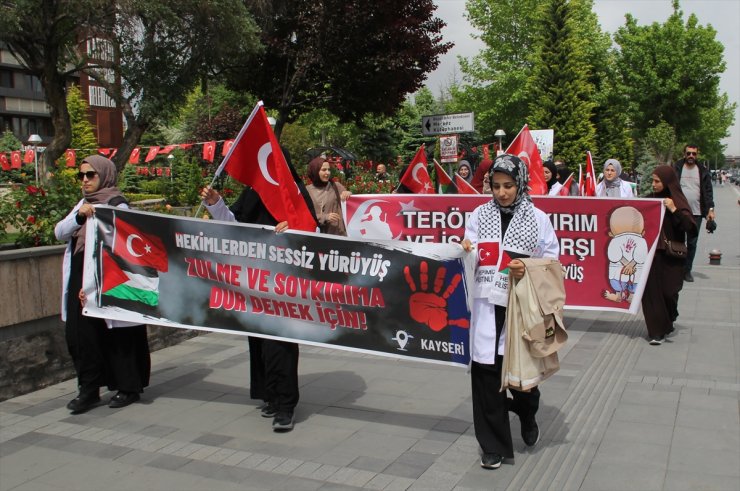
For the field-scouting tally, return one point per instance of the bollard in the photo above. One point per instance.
(715, 256)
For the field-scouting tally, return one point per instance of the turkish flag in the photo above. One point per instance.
(524, 147)
(417, 177)
(488, 253)
(463, 186)
(486, 152)
(227, 146)
(15, 159)
(135, 156)
(28, 156)
(588, 185)
(185, 146)
(4, 161)
(153, 151)
(136, 247)
(71, 157)
(166, 150)
(255, 159)
(104, 151)
(565, 190)
(209, 151)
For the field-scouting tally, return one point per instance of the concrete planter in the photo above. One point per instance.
(33, 351)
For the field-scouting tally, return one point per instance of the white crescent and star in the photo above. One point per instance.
(264, 152)
(130, 249)
(525, 157)
(416, 169)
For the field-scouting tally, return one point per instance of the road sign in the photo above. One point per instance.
(439, 124)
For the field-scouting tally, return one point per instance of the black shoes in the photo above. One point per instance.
(491, 461)
(268, 410)
(83, 402)
(283, 421)
(530, 431)
(688, 277)
(123, 399)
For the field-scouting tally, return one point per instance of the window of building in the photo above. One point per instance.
(6, 79)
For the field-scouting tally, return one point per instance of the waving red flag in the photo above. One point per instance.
(524, 147)
(565, 190)
(209, 151)
(417, 177)
(152, 154)
(463, 186)
(588, 186)
(15, 159)
(255, 159)
(227, 146)
(71, 157)
(135, 156)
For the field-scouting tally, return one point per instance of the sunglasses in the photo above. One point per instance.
(691, 153)
(89, 174)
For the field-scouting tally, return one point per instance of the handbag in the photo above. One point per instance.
(675, 248)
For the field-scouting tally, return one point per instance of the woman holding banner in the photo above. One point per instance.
(501, 231)
(665, 279)
(104, 352)
(327, 197)
(273, 364)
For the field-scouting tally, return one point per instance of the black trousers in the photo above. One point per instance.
(692, 241)
(274, 372)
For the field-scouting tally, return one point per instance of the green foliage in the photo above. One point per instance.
(658, 147)
(33, 211)
(9, 143)
(184, 185)
(83, 136)
(561, 93)
(671, 73)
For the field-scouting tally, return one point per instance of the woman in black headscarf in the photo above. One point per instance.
(665, 280)
(327, 197)
(551, 178)
(503, 230)
(104, 352)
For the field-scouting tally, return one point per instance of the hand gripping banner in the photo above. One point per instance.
(387, 298)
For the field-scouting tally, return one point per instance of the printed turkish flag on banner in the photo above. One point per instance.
(71, 157)
(153, 151)
(15, 160)
(417, 177)
(4, 161)
(227, 146)
(209, 151)
(565, 190)
(255, 159)
(463, 186)
(136, 247)
(488, 253)
(28, 156)
(524, 147)
(588, 186)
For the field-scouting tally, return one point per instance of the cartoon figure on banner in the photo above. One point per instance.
(627, 252)
(431, 308)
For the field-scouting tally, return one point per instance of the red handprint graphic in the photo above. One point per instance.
(430, 308)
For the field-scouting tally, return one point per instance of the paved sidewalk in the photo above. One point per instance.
(620, 414)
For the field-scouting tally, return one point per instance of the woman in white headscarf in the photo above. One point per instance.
(501, 231)
(612, 186)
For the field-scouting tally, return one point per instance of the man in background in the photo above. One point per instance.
(696, 184)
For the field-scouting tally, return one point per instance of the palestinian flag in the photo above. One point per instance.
(129, 282)
(444, 181)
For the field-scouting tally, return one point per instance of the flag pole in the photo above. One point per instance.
(231, 150)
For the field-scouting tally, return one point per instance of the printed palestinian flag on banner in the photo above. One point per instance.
(134, 283)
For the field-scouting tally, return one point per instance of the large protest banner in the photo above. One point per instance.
(606, 245)
(395, 299)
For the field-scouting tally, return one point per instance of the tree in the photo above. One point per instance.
(43, 35)
(351, 57)
(561, 94)
(497, 77)
(83, 136)
(671, 73)
(163, 48)
(659, 146)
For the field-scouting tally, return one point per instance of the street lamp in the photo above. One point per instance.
(35, 140)
(170, 159)
(500, 134)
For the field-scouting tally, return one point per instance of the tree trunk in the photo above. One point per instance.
(130, 139)
(54, 89)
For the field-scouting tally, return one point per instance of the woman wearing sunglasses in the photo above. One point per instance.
(102, 356)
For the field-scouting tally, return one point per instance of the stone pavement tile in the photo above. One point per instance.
(10, 447)
(706, 418)
(718, 462)
(434, 447)
(201, 469)
(372, 464)
(377, 445)
(442, 436)
(157, 431)
(608, 476)
(405, 470)
(689, 480)
(299, 484)
(136, 458)
(616, 453)
(324, 471)
(650, 398)
(701, 438)
(351, 477)
(42, 408)
(35, 485)
(30, 463)
(399, 484)
(641, 413)
(270, 463)
(342, 417)
(714, 403)
(212, 439)
(639, 432)
(434, 479)
(168, 462)
(380, 481)
(380, 402)
(306, 469)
